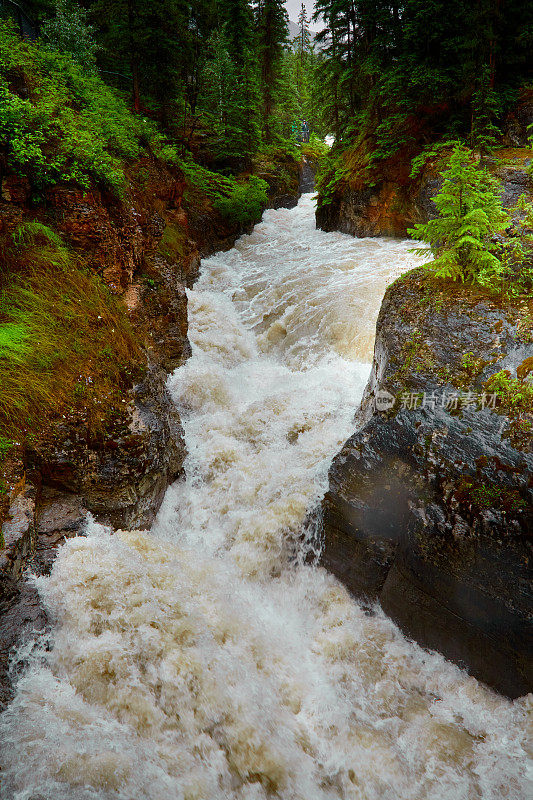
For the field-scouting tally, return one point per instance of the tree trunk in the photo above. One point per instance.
(133, 60)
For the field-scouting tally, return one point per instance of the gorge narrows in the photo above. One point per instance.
(211, 657)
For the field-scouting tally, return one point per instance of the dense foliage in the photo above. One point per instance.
(386, 65)
(58, 123)
(466, 236)
(220, 71)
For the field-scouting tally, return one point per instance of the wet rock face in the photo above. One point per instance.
(393, 206)
(375, 211)
(307, 176)
(52, 516)
(21, 616)
(430, 508)
(121, 477)
(147, 249)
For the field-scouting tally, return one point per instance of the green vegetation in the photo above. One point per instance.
(516, 252)
(436, 154)
(58, 123)
(400, 84)
(272, 35)
(470, 213)
(515, 400)
(246, 202)
(278, 165)
(515, 395)
(470, 369)
(390, 68)
(209, 83)
(416, 356)
(69, 32)
(172, 245)
(55, 343)
(483, 496)
(5, 447)
(315, 149)
(466, 238)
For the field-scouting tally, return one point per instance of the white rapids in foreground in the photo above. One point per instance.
(206, 660)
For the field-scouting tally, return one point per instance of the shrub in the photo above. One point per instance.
(470, 213)
(245, 203)
(58, 123)
(516, 251)
(70, 32)
(515, 400)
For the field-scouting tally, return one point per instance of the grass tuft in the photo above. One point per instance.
(60, 329)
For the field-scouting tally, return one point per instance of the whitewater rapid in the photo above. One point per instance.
(211, 658)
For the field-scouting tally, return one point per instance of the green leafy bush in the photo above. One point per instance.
(70, 32)
(515, 400)
(278, 164)
(516, 251)
(246, 202)
(58, 123)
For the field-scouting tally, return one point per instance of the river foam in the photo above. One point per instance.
(209, 659)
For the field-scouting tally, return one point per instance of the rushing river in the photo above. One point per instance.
(210, 658)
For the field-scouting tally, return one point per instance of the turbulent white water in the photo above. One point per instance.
(205, 660)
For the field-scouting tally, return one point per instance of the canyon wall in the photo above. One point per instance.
(430, 502)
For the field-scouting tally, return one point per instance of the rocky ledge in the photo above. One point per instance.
(430, 502)
(395, 204)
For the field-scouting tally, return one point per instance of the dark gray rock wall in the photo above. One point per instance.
(430, 509)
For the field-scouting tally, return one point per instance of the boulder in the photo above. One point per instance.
(430, 503)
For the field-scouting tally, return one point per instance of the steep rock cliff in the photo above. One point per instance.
(147, 249)
(395, 204)
(430, 502)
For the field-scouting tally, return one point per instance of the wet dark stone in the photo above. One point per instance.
(123, 483)
(430, 510)
(307, 177)
(21, 618)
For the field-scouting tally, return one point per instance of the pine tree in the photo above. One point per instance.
(272, 33)
(470, 213)
(243, 106)
(302, 44)
(150, 40)
(384, 62)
